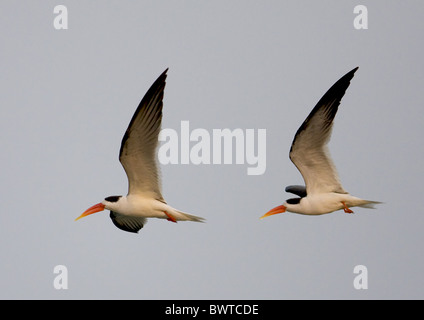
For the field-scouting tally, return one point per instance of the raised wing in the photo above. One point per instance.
(138, 147)
(309, 151)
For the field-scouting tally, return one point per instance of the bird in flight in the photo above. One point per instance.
(138, 157)
(309, 152)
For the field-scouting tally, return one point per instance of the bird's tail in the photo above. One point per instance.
(369, 204)
(188, 217)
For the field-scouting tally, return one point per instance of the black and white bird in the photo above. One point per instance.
(310, 154)
(138, 157)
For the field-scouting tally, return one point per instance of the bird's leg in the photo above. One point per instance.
(170, 218)
(346, 209)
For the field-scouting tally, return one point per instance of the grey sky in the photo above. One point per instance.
(67, 97)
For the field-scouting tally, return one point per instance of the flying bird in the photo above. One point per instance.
(309, 152)
(138, 157)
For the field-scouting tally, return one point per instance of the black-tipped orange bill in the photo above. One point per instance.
(279, 209)
(96, 208)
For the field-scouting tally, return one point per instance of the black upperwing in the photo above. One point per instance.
(126, 223)
(297, 190)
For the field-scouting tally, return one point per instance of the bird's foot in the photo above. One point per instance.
(346, 209)
(170, 218)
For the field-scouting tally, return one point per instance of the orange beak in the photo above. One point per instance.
(279, 209)
(96, 208)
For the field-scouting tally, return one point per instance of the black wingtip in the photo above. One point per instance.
(160, 81)
(340, 87)
(330, 101)
(155, 89)
(164, 73)
(161, 78)
(346, 78)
